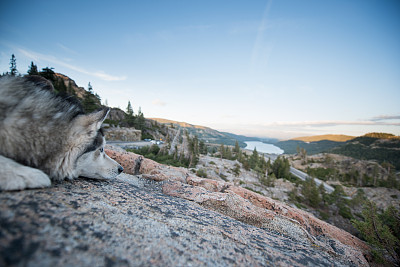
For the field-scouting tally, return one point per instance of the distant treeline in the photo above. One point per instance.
(381, 147)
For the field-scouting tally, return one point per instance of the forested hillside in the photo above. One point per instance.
(375, 146)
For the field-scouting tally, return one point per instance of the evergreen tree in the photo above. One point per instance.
(129, 117)
(236, 170)
(228, 153)
(269, 165)
(281, 168)
(33, 70)
(262, 164)
(90, 88)
(253, 161)
(237, 148)
(47, 73)
(303, 155)
(13, 66)
(311, 193)
(89, 102)
(240, 156)
(140, 121)
(222, 150)
(70, 89)
(203, 147)
(97, 97)
(193, 146)
(381, 231)
(129, 109)
(60, 87)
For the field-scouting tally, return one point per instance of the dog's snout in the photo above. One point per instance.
(120, 169)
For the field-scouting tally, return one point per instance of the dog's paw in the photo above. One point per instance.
(24, 177)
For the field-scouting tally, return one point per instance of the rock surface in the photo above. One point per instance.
(171, 218)
(116, 114)
(122, 134)
(128, 221)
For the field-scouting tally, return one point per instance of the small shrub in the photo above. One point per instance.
(324, 215)
(345, 211)
(201, 173)
(255, 191)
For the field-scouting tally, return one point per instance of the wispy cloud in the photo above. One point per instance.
(67, 49)
(158, 102)
(386, 117)
(330, 123)
(41, 57)
(260, 33)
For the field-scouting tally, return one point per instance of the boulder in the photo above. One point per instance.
(122, 134)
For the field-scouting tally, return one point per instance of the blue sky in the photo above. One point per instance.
(280, 69)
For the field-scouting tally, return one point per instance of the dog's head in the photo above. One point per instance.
(88, 137)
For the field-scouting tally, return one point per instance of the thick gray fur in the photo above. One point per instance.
(44, 136)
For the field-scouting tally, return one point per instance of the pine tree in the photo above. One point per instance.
(262, 164)
(202, 147)
(89, 102)
(222, 150)
(140, 121)
(129, 109)
(253, 161)
(281, 168)
(237, 148)
(90, 88)
(381, 231)
(129, 118)
(303, 155)
(228, 153)
(236, 170)
(60, 87)
(47, 73)
(13, 66)
(311, 193)
(33, 70)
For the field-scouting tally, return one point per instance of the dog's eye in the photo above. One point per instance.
(101, 150)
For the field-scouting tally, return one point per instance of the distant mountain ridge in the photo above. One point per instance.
(203, 133)
(381, 147)
(179, 123)
(329, 137)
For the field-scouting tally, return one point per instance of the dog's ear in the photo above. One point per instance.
(98, 117)
(90, 123)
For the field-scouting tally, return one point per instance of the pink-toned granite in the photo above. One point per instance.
(147, 167)
(312, 224)
(246, 206)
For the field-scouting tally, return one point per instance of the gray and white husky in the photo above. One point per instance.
(44, 136)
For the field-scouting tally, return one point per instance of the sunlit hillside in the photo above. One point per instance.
(330, 137)
(182, 124)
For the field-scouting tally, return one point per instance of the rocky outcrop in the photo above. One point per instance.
(116, 114)
(128, 221)
(122, 134)
(163, 217)
(80, 92)
(248, 207)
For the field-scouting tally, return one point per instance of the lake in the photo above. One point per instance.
(263, 147)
